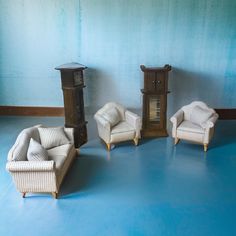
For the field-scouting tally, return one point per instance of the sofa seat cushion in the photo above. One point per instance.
(188, 126)
(60, 150)
(59, 154)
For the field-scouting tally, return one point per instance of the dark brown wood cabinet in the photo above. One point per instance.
(72, 85)
(155, 101)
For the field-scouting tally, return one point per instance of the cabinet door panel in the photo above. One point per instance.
(155, 111)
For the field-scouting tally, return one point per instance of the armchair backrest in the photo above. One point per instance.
(109, 105)
(188, 108)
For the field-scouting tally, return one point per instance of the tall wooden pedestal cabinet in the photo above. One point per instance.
(155, 101)
(72, 85)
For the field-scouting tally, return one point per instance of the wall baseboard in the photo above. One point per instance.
(226, 114)
(31, 111)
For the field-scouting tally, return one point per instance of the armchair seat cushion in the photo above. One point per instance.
(122, 131)
(122, 127)
(188, 126)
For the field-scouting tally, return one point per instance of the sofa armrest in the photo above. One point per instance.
(177, 118)
(70, 134)
(134, 120)
(23, 166)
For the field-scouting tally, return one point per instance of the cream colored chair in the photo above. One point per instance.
(116, 124)
(194, 122)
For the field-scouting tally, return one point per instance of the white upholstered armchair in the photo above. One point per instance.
(194, 122)
(116, 124)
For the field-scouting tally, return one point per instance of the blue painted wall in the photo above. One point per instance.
(35, 37)
(197, 37)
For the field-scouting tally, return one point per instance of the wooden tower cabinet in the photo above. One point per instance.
(155, 101)
(72, 85)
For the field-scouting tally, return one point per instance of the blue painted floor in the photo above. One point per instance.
(152, 189)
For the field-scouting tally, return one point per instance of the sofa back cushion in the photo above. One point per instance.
(18, 152)
(36, 152)
(52, 137)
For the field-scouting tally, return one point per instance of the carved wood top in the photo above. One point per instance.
(71, 66)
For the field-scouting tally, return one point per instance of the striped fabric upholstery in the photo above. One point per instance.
(52, 137)
(36, 152)
(42, 176)
(19, 150)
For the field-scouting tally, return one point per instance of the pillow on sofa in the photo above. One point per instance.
(18, 152)
(112, 116)
(200, 115)
(52, 137)
(36, 152)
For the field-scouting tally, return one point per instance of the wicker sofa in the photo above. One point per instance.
(40, 176)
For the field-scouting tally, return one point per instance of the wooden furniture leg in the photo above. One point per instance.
(108, 146)
(136, 141)
(205, 147)
(55, 195)
(176, 141)
(23, 195)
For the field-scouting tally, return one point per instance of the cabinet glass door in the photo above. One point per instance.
(155, 109)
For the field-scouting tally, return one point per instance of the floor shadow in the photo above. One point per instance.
(224, 134)
(82, 174)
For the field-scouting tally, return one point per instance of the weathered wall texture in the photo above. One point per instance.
(112, 38)
(35, 37)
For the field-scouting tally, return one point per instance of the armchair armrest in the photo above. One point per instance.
(177, 118)
(134, 120)
(211, 122)
(102, 121)
(25, 166)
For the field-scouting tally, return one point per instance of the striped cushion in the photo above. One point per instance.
(36, 152)
(52, 137)
(18, 152)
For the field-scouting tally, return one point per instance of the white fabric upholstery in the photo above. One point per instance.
(18, 152)
(197, 129)
(36, 152)
(112, 116)
(200, 115)
(122, 131)
(52, 137)
(127, 129)
(190, 127)
(43, 176)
